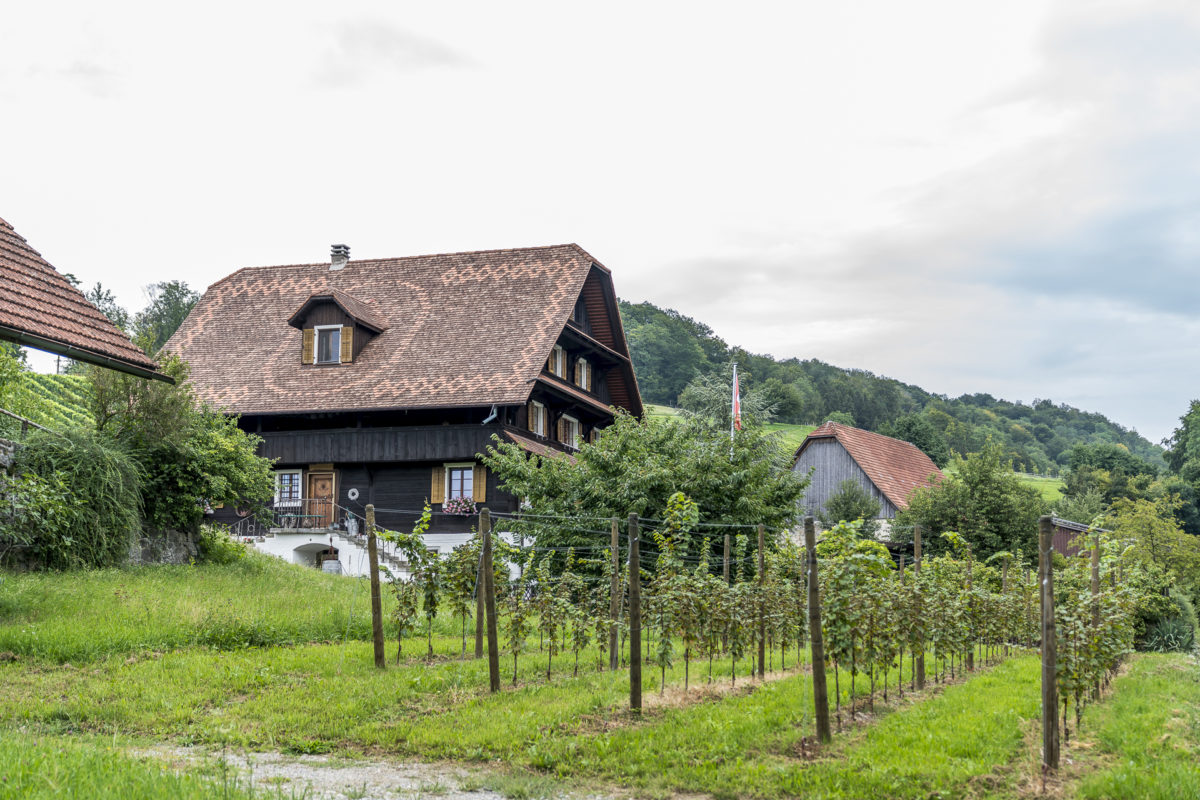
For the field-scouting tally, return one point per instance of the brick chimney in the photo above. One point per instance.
(339, 255)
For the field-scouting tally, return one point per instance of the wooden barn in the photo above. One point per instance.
(379, 381)
(889, 469)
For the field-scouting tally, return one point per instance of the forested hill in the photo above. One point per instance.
(670, 350)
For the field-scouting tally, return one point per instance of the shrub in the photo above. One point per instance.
(216, 546)
(1175, 631)
(92, 494)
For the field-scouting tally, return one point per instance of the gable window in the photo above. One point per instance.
(287, 487)
(557, 364)
(568, 431)
(583, 374)
(329, 344)
(537, 418)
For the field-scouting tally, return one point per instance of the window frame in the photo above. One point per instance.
(449, 468)
(290, 502)
(585, 374)
(558, 362)
(337, 350)
(571, 423)
(542, 416)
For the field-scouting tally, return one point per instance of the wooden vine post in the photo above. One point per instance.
(919, 669)
(1096, 599)
(635, 617)
(376, 602)
(614, 605)
(1049, 646)
(762, 604)
(489, 593)
(725, 574)
(480, 612)
(820, 691)
(970, 614)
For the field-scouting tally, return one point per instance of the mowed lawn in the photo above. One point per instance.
(65, 723)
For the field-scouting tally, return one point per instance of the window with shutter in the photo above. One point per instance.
(537, 418)
(329, 344)
(480, 487)
(306, 347)
(437, 490)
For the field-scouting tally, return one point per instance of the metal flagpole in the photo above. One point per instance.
(733, 410)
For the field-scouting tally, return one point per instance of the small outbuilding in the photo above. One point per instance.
(889, 469)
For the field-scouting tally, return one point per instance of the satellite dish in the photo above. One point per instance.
(352, 494)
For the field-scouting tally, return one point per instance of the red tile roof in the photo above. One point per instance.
(894, 466)
(463, 329)
(40, 307)
(537, 448)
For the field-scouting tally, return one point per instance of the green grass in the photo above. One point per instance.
(259, 600)
(793, 435)
(35, 767)
(1051, 489)
(1146, 736)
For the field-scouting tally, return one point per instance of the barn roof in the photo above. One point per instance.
(894, 466)
(458, 329)
(40, 308)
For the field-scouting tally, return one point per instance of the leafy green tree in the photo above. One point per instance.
(191, 456)
(981, 499)
(709, 398)
(916, 429)
(169, 304)
(841, 417)
(106, 301)
(636, 466)
(851, 502)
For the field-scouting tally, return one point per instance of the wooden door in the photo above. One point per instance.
(320, 493)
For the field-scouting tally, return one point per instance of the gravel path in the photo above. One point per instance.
(320, 777)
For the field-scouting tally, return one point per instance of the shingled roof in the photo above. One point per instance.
(894, 466)
(460, 329)
(40, 308)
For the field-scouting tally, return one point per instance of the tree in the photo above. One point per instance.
(917, 430)
(849, 503)
(106, 301)
(981, 499)
(191, 455)
(636, 465)
(709, 397)
(170, 303)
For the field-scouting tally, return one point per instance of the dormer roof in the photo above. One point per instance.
(361, 312)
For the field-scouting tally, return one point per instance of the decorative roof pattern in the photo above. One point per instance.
(37, 303)
(894, 466)
(462, 329)
(360, 312)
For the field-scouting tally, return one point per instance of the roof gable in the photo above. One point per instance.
(894, 466)
(460, 329)
(362, 313)
(40, 308)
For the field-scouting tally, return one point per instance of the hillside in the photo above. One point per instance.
(53, 401)
(669, 350)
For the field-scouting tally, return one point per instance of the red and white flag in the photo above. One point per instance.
(737, 402)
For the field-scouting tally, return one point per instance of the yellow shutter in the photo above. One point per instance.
(578, 372)
(562, 430)
(347, 344)
(306, 347)
(437, 491)
(479, 484)
(531, 418)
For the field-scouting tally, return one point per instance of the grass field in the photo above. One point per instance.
(1051, 489)
(793, 435)
(95, 666)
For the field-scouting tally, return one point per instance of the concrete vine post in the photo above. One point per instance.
(817, 641)
(480, 611)
(376, 601)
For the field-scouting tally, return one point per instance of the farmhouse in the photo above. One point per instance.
(889, 469)
(378, 381)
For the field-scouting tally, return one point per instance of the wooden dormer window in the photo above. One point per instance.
(328, 321)
(329, 344)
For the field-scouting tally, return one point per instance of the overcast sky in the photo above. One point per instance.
(972, 197)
